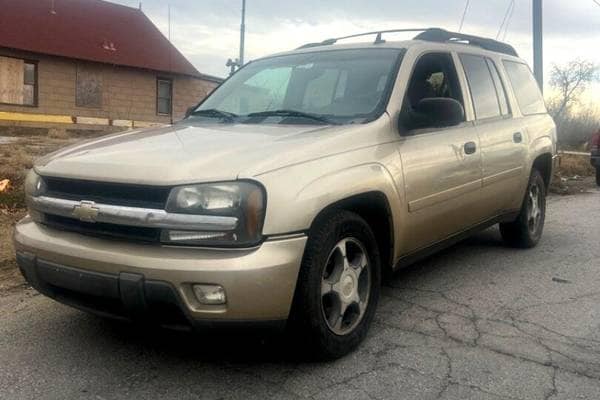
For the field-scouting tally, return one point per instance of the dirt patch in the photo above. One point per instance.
(9, 274)
(574, 175)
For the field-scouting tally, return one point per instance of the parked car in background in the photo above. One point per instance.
(287, 195)
(595, 154)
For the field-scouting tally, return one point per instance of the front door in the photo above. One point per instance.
(441, 166)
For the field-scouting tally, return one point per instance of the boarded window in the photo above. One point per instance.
(164, 94)
(89, 87)
(18, 81)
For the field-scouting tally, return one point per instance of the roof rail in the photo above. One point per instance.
(378, 38)
(442, 35)
(430, 35)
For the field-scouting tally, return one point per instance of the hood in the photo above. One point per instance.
(186, 153)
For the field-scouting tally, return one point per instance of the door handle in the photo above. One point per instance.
(517, 137)
(470, 147)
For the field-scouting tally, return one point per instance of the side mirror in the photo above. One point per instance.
(441, 111)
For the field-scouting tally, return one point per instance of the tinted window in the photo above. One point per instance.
(481, 86)
(499, 87)
(525, 88)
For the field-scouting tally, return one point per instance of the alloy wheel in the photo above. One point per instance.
(345, 286)
(534, 208)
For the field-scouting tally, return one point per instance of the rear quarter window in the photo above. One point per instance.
(525, 88)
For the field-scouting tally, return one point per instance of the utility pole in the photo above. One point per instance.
(538, 48)
(239, 62)
(242, 33)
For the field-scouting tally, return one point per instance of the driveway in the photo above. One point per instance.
(478, 321)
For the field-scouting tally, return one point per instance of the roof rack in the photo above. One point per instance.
(430, 35)
(442, 35)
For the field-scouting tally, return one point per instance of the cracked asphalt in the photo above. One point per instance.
(477, 321)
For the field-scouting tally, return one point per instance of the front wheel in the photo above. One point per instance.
(338, 287)
(598, 175)
(526, 230)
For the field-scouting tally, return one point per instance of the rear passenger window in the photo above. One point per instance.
(525, 88)
(499, 87)
(481, 86)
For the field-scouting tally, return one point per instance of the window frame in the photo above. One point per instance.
(462, 92)
(170, 81)
(502, 89)
(35, 85)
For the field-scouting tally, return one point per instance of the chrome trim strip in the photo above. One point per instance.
(286, 236)
(133, 216)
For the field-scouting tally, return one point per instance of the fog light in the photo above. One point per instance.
(209, 294)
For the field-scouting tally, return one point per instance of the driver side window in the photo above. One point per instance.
(433, 77)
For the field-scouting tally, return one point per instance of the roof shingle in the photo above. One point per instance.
(93, 30)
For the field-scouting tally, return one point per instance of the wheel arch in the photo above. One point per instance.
(541, 151)
(374, 208)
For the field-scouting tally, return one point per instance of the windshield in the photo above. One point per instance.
(338, 86)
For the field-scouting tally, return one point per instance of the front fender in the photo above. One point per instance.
(293, 205)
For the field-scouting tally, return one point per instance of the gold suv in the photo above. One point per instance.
(284, 197)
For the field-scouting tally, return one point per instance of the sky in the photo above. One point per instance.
(207, 31)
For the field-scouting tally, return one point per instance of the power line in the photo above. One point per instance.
(597, 2)
(510, 4)
(512, 9)
(462, 20)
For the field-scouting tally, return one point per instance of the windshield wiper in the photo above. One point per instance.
(214, 113)
(292, 113)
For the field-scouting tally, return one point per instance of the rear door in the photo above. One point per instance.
(503, 141)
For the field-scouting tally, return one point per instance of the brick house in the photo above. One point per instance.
(91, 61)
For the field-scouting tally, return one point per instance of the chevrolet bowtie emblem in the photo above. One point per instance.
(86, 211)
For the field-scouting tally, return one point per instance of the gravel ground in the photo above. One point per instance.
(478, 321)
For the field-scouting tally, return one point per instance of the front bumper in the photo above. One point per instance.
(141, 281)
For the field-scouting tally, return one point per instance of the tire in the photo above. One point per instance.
(326, 285)
(598, 175)
(526, 230)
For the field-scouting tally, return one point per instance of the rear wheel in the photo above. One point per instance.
(598, 175)
(526, 230)
(338, 287)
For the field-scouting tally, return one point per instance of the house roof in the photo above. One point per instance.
(93, 30)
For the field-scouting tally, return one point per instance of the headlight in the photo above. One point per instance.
(243, 200)
(34, 184)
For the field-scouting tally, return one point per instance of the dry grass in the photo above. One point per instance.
(574, 175)
(9, 274)
(571, 165)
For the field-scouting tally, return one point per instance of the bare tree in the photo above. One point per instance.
(570, 80)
